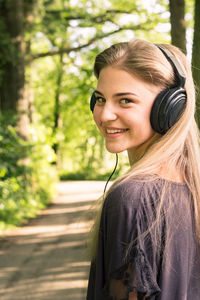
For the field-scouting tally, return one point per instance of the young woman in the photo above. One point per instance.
(146, 242)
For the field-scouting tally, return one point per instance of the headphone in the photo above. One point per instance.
(170, 103)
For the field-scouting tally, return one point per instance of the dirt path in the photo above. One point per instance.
(46, 259)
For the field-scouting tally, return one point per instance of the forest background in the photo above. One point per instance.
(47, 51)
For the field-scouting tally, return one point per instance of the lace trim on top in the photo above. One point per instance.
(135, 276)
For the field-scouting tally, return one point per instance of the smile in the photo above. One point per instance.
(115, 130)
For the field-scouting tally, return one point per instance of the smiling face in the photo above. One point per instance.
(122, 110)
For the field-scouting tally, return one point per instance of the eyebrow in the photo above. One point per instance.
(117, 94)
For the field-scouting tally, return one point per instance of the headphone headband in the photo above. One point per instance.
(178, 70)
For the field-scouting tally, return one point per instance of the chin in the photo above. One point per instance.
(114, 150)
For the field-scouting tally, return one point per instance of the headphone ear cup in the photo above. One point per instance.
(167, 108)
(92, 102)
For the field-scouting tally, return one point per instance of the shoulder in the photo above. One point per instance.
(133, 192)
(140, 192)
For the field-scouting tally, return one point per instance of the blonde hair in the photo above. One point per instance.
(180, 145)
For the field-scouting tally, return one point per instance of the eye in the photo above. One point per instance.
(125, 101)
(100, 100)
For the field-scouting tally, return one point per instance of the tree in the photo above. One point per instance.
(57, 117)
(196, 57)
(13, 73)
(12, 85)
(178, 25)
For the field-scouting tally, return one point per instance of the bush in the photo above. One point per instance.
(88, 175)
(27, 178)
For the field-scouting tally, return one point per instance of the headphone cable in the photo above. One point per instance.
(116, 162)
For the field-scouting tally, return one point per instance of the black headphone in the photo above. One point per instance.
(170, 103)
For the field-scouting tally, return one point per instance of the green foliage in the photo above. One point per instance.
(88, 175)
(101, 170)
(26, 177)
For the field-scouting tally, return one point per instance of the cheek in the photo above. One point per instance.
(140, 123)
(139, 117)
(96, 117)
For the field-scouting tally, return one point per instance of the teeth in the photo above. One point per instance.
(115, 130)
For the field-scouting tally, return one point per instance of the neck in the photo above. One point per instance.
(166, 170)
(135, 154)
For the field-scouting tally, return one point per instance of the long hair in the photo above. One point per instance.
(180, 145)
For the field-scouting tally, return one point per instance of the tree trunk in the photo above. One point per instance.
(12, 85)
(196, 57)
(178, 26)
(57, 118)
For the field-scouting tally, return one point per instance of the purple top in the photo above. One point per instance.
(127, 258)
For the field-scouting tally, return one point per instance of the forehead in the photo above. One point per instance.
(111, 75)
(112, 79)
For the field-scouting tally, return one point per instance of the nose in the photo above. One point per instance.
(108, 113)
